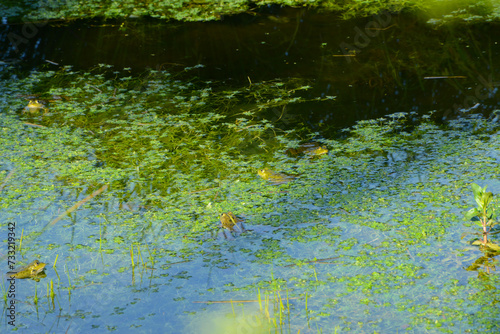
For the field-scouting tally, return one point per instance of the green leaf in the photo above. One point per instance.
(472, 213)
(486, 199)
(468, 233)
(479, 200)
(492, 246)
(477, 190)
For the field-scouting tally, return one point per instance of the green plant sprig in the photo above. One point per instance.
(483, 212)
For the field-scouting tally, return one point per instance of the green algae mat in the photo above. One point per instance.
(118, 184)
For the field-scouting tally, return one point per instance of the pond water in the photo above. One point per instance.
(374, 66)
(119, 181)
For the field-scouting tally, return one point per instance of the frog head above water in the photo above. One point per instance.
(34, 271)
(311, 149)
(230, 222)
(34, 107)
(274, 177)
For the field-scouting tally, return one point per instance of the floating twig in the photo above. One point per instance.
(409, 253)
(7, 179)
(169, 264)
(77, 205)
(100, 91)
(36, 125)
(231, 301)
(392, 25)
(317, 261)
(447, 77)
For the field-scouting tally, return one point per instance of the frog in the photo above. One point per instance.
(230, 222)
(274, 177)
(316, 151)
(311, 149)
(34, 271)
(34, 107)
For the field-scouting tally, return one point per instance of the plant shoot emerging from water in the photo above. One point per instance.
(483, 212)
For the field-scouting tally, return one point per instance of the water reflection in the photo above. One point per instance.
(374, 66)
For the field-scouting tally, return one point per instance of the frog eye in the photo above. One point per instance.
(36, 262)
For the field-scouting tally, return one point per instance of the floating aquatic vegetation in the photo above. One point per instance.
(374, 225)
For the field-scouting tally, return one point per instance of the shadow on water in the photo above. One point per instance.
(374, 66)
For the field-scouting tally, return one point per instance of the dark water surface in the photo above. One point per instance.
(374, 66)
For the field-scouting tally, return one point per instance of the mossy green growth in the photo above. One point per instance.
(183, 10)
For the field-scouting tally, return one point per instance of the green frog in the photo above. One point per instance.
(316, 151)
(274, 177)
(34, 107)
(231, 223)
(311, 149)
(34, 270)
